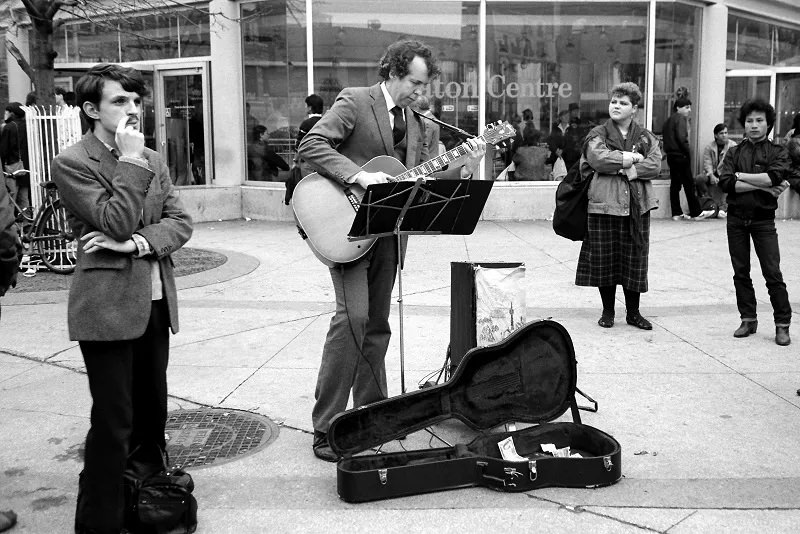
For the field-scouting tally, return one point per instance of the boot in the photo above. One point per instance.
(746, 328)
(782, 335)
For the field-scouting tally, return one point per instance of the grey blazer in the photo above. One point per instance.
(110, 297)
(355, 130)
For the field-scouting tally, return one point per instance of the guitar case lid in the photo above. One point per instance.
(528, 377)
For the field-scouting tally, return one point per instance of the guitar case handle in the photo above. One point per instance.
(575, 407)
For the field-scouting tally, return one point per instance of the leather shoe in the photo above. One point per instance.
(746, 328)
(606, 320)
(322, 449)
(782, 335)
(636, 319)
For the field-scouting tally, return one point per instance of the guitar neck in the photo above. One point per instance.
(437, 163)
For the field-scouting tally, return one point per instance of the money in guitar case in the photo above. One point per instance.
(530, 377)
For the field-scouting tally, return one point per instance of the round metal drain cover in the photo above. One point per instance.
(212, 436)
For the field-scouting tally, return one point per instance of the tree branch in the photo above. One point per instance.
(21, 61)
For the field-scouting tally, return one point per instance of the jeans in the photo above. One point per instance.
(681, 176)
(765, 242)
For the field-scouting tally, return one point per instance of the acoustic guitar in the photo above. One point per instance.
(325, 210)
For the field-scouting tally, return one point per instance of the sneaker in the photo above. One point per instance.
(722, 214)
(677, 217)
(705, 214)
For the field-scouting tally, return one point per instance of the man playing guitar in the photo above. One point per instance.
(363, 123)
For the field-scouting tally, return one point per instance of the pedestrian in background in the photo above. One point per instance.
(708, 182)
(624, 158)
(753, 174)
(679, 158)
(14, 154)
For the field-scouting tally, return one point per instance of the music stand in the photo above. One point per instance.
(418, 208)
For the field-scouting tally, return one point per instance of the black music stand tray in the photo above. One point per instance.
(418, 208)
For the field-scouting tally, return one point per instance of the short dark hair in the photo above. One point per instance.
(16, 109)
(629, 89)
(315, 103)
(757, 104)
(30, 99)
(258, 129)
(681, 102)
(399, 56)
(719, 127)
(59, 91)
(90, 86)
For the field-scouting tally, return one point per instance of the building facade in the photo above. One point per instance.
(223, 72)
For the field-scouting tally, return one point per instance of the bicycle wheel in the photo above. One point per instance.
(55, 241)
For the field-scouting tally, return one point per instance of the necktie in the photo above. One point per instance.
(399, 130)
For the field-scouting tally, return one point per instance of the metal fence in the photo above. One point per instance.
(51, 129)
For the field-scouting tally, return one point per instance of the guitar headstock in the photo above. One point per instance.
(499, 131)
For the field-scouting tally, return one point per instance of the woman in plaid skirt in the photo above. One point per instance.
(624, 157)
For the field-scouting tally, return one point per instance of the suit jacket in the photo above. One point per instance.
(110, 297)
(355, 130)
(10, 246)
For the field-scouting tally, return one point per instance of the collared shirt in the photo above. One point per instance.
(143, 247)
(390, 104)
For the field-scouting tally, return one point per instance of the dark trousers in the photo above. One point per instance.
(765, 242)
(680, 174)
(128, 383)
(359, 333)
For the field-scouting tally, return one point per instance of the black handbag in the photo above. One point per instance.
(165, 501)
(572, 202)
(157, 499)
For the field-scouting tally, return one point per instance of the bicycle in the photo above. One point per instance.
(48, 233)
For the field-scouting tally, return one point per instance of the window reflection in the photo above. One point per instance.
(549, 69)
(164, 34)
(755, 43)
(275, 83)
(351, 36)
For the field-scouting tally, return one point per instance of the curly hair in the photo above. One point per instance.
(757, 104)
(629, 89)
(400, 54)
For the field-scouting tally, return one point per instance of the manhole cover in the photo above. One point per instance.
(214, 436)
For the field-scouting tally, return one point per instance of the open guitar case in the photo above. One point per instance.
(530, 377)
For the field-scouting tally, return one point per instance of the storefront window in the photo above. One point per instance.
(548, 62)
(275, 83)
(755, 43)
(182, 33)
(166, 34)
(351, 36)
(676, 58)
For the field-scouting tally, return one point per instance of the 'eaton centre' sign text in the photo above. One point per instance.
(496, 88)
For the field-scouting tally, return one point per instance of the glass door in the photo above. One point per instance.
(743, 85)
(787, 101)
(183, 128)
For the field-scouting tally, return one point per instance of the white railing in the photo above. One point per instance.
(51, 129)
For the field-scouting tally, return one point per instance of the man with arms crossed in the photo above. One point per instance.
(127, 218)
(365, 122)
(753, 174)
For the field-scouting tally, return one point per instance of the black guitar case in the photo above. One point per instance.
(530, 377)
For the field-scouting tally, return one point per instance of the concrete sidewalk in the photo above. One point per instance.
(708, 424)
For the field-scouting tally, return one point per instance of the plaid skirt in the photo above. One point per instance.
(608, 255)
